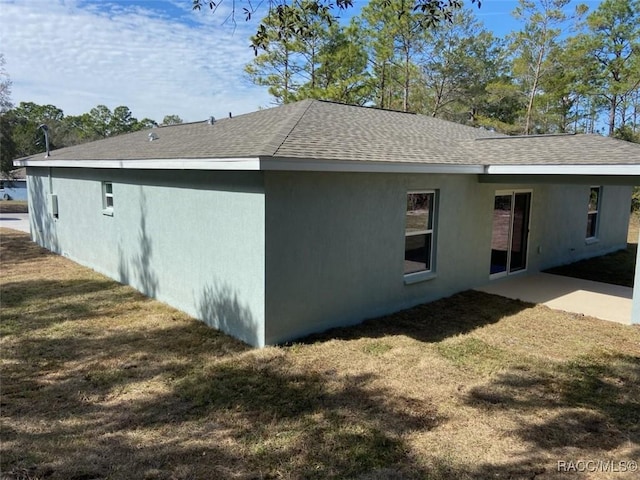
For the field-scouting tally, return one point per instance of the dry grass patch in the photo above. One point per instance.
(100, 382)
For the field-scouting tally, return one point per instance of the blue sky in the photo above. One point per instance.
(157, 57)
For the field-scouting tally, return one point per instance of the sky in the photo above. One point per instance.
(157, 57)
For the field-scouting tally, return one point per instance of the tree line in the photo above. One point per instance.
(560, 72)
(21, 136)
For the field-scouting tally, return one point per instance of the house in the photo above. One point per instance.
(295, 219)
(13, 185)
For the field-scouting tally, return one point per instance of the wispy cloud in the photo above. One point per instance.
(155, 57)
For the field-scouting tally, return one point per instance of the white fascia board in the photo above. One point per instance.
(627, 169)
(151, 164)
(310, 165)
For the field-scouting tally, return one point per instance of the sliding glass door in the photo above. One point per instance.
(509, 241)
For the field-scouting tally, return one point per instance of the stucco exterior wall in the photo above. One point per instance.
(271, 256)
(561, 222)
(335, 242)
(194, 240)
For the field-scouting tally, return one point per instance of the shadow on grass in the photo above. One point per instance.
(57, 301)
(432, 322)
(617, 268)
(16, 248)
(174, 399)
(241, 416)
(592, 404)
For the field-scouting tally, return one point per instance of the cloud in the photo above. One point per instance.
(157, 58)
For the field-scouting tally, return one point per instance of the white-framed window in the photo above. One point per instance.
(107, 197)
(595, 194)
(420, 228)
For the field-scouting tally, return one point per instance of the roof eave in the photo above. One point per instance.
(597, 169)
(258, 163)
(267, 163)
(246, 163)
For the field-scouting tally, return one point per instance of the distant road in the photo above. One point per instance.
(16, 221)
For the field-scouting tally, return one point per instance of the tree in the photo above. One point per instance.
(533, 46)
(327, 61)
(5, 87)
(395, 34)
(121, 121)
(171, 120)
(7, 145)
(21, 135)
(502, 106)
(610, 51)
(144, 124)
(434, 11)
(101, 122)
(460, 61)
(278, 66)
(341, 74)
(24, 121)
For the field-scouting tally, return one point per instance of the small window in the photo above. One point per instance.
(592, 215)
(107, 196)
(419, 232)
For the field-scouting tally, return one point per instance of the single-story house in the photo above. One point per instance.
(291, 220)
(13, 185)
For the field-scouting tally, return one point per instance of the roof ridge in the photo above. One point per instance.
(287, 129)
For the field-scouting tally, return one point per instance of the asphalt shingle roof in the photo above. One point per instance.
(312, 129)
(578, 149)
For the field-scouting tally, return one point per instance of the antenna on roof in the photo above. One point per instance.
(45, 129)
(211, 120)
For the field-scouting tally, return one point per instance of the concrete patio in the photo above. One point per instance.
(595, 299)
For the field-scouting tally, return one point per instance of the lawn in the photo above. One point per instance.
(99, 382)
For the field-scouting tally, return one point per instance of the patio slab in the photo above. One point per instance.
(600, 300)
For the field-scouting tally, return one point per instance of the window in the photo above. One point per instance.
(419, 232)
(107, 197)
(592, 215)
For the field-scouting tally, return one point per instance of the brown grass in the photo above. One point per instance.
(101, 382)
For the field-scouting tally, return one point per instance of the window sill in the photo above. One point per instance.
(108, 212)
(591, 240)
(417, 277)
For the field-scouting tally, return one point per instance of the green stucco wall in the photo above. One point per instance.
(194, 240)
(271, 256)
(335, 242)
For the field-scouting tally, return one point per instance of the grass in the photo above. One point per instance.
(100, 382)
(14, 206)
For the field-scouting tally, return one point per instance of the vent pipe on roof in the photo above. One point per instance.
(153, 136)
(45, 129)
(230, 115)
(211, 120)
